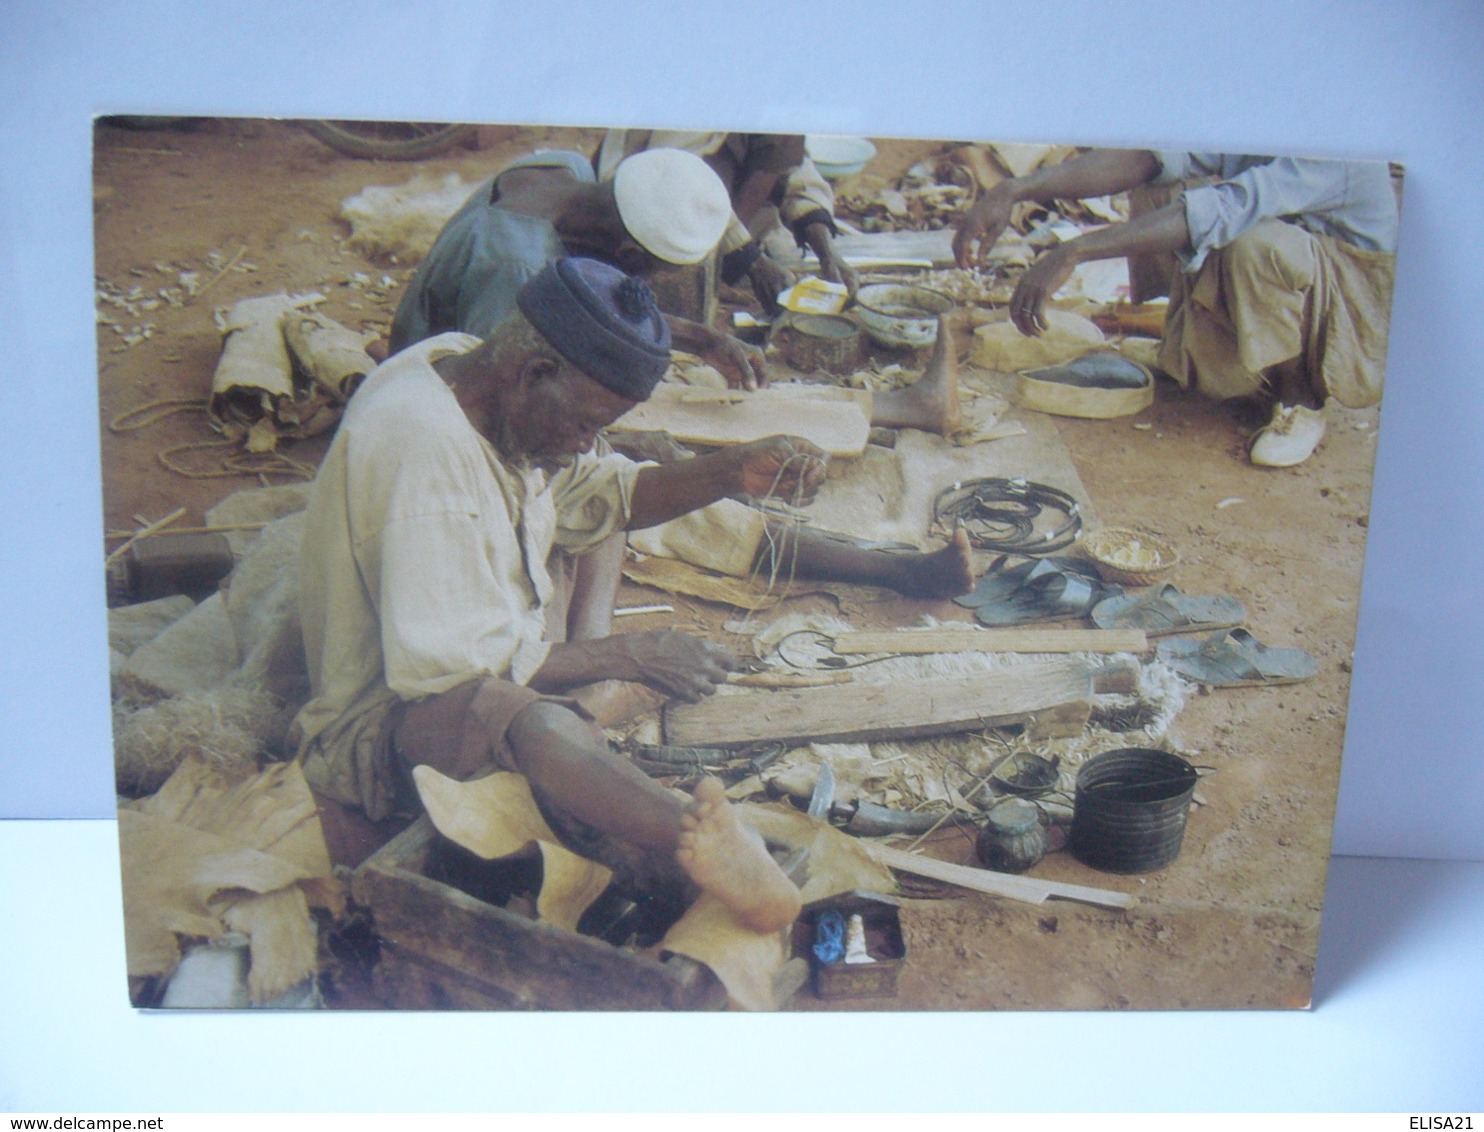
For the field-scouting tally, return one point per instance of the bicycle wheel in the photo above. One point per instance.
(390, 141)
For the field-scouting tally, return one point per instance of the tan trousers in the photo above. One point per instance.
(1279, 294)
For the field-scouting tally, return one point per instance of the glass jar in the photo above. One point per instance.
(1013, 838)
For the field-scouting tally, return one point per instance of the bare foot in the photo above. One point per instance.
(930, 403)
(728, 860)
(941, 574)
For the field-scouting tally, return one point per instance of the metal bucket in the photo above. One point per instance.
(1129, 812)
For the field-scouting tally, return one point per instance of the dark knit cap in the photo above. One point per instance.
(602, 321)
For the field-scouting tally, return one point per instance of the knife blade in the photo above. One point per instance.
(824, 793)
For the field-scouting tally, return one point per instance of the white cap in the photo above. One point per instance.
(672, 203)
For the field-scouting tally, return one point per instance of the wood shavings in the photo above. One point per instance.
(971, 286)
(926, 198)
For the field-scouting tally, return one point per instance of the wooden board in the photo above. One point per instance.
(932, 248)
(921, 641)
(1053, 696)
(1027, 889)
(917, 249)
(834, 420)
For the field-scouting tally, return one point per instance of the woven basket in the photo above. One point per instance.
(1128, 556)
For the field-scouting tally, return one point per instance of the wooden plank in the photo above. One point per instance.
(1012, 887)
(833, 419)
(918, 641)
(862, 712)
(933, 248)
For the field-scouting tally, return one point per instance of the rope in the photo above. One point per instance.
(152, 411)
(244, 464)
(777, 543)
(259, 464)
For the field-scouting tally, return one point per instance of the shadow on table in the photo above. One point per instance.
(1372, 905)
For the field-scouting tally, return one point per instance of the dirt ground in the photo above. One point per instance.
(1232, 923)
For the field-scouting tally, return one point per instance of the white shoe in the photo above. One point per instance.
(1289, 438)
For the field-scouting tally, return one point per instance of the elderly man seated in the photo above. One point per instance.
(457, 469)
(435, 631)
(1285, 292)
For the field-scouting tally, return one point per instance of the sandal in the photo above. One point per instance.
(1036, 589)
(1167, 610)
(1235, 659)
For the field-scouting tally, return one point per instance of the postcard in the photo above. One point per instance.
(592, 569)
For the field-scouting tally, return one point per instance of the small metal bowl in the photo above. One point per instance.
(1027, 776)
(901, 314)
(838, 155)
(829, 342)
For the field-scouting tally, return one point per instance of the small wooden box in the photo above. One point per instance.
(881, 917)
(445, 949)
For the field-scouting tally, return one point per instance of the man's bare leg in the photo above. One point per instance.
(930, 403)
(940, 574)
(569, 764)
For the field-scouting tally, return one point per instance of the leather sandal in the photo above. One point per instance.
(1037, 589)
(1167, 610)
(1235, 659)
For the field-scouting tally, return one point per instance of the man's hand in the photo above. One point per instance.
(783, 467)
(677, 664)
(833, 269)
(1040, 281)
(741, 363)
(769, 278)
(981, 227)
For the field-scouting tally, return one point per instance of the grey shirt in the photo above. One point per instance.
(1352, 201)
